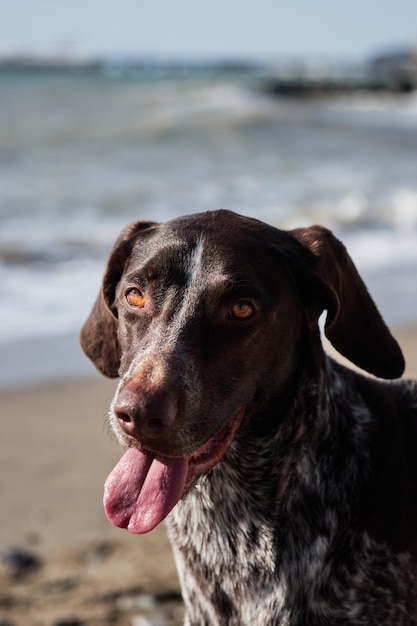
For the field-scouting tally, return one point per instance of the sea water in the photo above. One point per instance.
(81, 156)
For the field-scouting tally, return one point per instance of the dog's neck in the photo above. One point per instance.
(276, 449)
(285, 461)
(286, 458)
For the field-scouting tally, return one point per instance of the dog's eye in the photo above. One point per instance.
(135, 298)
(242, 311)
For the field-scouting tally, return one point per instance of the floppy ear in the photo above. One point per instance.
(99, 335)
(354, 325)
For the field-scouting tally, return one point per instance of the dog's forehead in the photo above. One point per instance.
(189, 246)
(180, 257)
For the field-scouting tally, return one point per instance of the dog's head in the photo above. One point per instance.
(205, 318)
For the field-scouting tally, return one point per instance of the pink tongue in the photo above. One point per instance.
(142, 489)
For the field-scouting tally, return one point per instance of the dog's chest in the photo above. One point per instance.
(239, 569)
(226, 563)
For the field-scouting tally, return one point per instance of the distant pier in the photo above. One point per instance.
(394, 72)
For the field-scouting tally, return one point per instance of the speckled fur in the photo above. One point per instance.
(272, 535)
(310, 518)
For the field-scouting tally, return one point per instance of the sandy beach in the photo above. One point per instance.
(55, 453)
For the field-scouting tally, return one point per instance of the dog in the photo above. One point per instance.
(288, 482)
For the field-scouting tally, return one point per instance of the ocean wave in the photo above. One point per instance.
(78, 161)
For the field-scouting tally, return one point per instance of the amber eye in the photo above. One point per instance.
(135, 298)
(242, 311)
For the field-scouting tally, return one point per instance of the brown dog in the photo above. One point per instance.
(289, 482)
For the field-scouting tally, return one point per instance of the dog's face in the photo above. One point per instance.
(207, 320)
(203, 333)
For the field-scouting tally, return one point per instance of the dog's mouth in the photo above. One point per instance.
(144, 487)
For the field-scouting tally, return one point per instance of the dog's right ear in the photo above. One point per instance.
(99, 335)
(353, 325)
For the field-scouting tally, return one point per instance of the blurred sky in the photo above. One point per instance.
(272, 28)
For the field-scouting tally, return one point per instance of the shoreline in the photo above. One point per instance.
(41, 361)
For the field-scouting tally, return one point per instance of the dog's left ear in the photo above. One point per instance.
(354, 325)
(99, 335)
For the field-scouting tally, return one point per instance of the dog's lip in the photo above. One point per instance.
(211, 452)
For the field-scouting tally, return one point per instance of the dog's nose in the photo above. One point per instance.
(145, 416)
